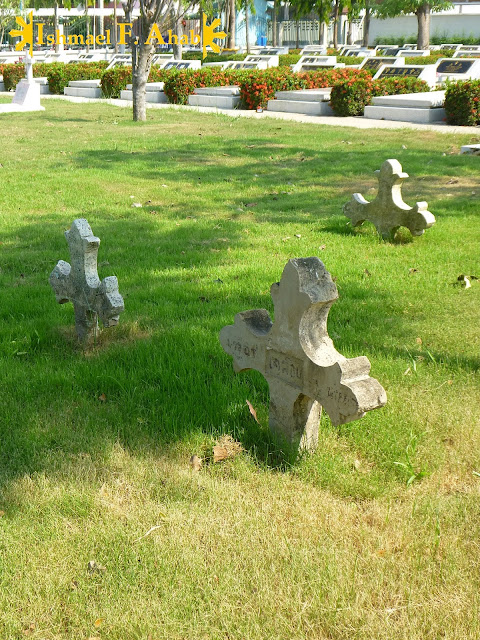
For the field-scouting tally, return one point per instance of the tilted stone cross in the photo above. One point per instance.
(297, 357)
(388, 211)
(80, 284)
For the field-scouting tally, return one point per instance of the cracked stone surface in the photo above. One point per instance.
(388, 211)
(79, 283)
(303, 369)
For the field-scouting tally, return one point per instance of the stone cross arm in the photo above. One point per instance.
(79, 283)
(388, 211)
(297, 357)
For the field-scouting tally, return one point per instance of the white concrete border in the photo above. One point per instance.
(356, 122)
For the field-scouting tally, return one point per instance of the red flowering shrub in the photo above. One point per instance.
(13, 73)
(180, 83)
(259, 86)
(462, 103)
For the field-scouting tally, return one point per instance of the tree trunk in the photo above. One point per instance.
(142, 57)
(178, 48)
(366, 25)
(297, 35)
(87, 18)
(115, 25)
(55, 25)
(335, 24)
(232, 26)
(350, 31)
(247, 37)
(274, 24)
(423, 19)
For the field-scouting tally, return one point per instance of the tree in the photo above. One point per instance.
(322, 8)
(422, 9)
(247, 6)
(8, 10)
(155, 16)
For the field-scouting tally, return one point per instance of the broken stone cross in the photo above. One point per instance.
(79, 283)
(303, 369)
(388, 211)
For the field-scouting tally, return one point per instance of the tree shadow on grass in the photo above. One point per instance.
(161, 381)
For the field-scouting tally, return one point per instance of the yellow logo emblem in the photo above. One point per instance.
(209, 34)
(26, 33)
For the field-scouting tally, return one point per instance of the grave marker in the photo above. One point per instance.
(388, 211)
(458, 69)
(79, 283)
(303, 369)
(422, 72)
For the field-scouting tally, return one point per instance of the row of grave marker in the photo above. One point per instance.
(295, 353)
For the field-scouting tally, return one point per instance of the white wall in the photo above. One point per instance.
(462, 19)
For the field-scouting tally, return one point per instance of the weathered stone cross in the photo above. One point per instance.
(388, 211)
(80, 284)
(295, 354)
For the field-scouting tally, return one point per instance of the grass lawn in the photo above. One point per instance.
(95, 444)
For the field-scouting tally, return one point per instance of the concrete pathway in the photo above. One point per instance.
(332, 121)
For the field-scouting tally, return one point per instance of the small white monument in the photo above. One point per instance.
(27, 93)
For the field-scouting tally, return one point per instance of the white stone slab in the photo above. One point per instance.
(85, 84)
(150, 86)
(301, 106)
(226, 91)
(157, 97)
(427, 100)
(220, 102)
(27, 96)
(405, 114)
(82, 92)
(305, 95)
(470, 149)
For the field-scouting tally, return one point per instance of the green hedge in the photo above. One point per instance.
(350, 97)
(57, 73)
(116, 79)
(462, 103)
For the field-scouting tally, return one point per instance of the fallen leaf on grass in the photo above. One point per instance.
(225, 448)
(252, 410)
(98, 622)
(322, 247)
(94, 567)
(102, 398)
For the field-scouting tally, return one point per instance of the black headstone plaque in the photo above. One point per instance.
(405, 72)
(454, 66)
(373, 63)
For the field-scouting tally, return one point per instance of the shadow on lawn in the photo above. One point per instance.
(295, 181)
(168, 378)
(163, 380)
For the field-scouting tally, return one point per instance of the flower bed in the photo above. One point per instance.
(462, 103)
